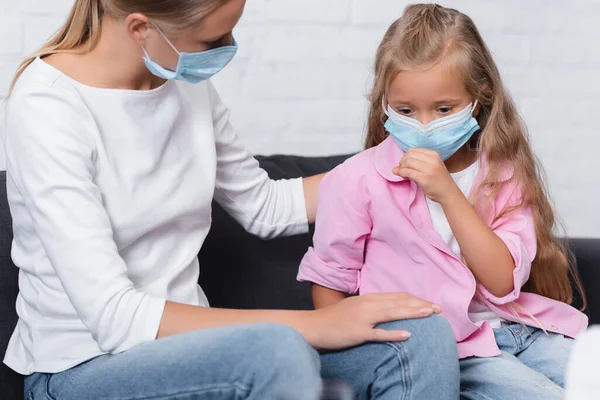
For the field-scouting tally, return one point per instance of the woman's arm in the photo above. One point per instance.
(311, 196)
(325, 297)
(264, 207)
(347, 323)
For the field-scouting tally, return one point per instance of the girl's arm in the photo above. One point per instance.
(325, 297)
(343, 224)
(485, 253)
(513, 233)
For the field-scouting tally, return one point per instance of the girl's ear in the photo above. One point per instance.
(477, 109)
(484, 88)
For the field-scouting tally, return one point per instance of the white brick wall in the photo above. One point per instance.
(299, 82)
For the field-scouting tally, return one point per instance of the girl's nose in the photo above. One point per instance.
(425, 118)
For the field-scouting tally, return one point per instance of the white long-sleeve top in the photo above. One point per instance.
(110, 193)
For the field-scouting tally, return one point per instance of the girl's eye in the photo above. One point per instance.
(405, 111)
(444, 110)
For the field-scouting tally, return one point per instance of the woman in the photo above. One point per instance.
(112, 166)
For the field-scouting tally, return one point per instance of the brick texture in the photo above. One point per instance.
(299, 82)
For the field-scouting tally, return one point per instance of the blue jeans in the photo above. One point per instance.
(424, 367)
(254, 362)
(531, 367)
(263, 362)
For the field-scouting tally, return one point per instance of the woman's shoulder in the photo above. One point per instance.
(43, 108)
(39, 76)
(44, 88)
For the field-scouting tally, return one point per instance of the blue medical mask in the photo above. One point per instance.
(445, 135)
(194, 67)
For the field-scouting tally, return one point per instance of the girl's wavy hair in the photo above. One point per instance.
(427, 34)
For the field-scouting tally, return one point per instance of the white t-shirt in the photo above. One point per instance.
(465, 180)
(110, 193)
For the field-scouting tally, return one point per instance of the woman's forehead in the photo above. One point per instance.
(219, 22)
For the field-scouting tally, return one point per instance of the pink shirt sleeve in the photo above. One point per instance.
(342, 225)
(517, 231)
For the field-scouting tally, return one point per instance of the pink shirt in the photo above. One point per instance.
(374, 235)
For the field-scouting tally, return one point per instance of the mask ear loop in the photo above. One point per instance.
(166, 39)
(383, 105)
(469, 143)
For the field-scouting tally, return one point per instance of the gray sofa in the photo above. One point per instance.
(242, 271)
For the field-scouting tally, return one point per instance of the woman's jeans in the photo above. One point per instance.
(263, 362)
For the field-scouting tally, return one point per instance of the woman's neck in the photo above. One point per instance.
(114, 63)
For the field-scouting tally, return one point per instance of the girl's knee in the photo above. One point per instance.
(434, 329)
(432, 345)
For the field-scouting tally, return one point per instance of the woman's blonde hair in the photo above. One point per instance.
(429, 33)
(81, 30)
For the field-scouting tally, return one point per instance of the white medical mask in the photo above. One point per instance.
(445, 135)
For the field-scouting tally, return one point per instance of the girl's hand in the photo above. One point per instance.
(427, 169)
(352, 321)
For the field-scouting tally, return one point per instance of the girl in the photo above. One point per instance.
(463, 221)
(113, 160)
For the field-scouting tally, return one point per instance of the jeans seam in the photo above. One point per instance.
(405, 372)
(467, 390)
(48, 395)
(200, 390)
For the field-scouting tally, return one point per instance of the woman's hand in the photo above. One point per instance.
(352, 321)
(427, 169)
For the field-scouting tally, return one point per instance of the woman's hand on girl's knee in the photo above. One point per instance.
(353, 321)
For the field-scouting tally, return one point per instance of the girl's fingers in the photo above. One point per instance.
(424, 152)
(409, 173)
(417, 153)
(418, 164)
